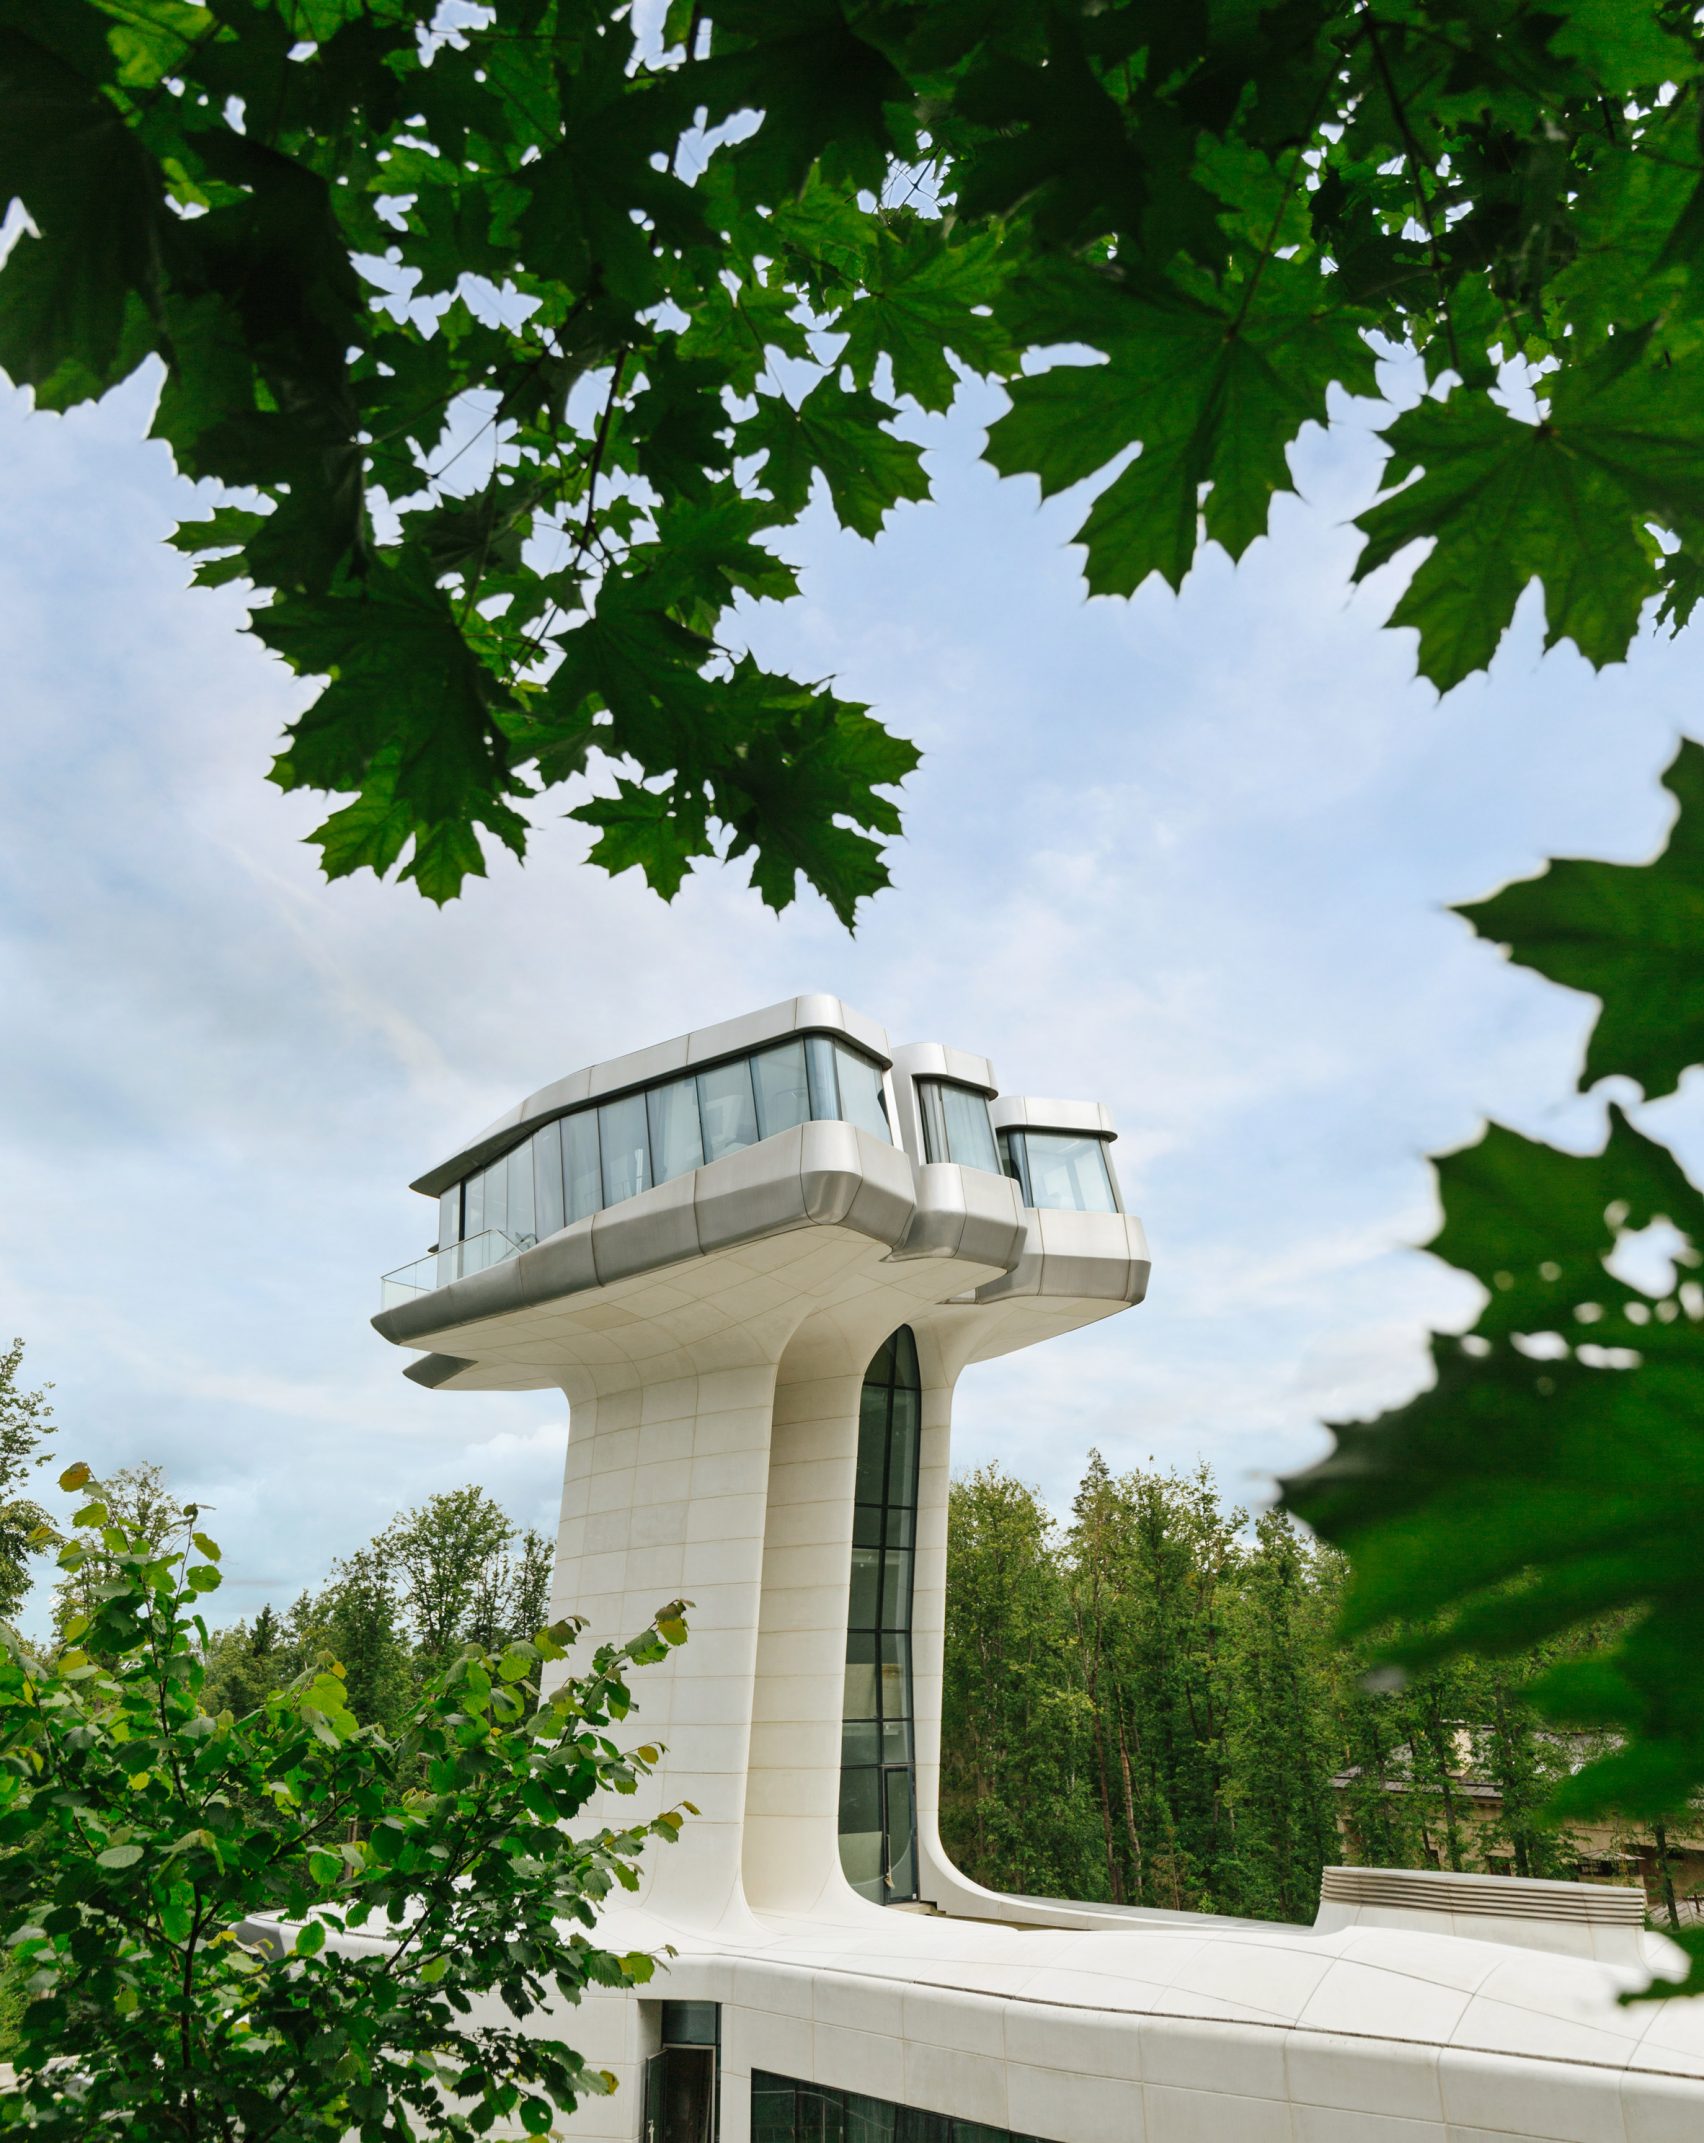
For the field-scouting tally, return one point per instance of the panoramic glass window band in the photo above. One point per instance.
(605, 1152)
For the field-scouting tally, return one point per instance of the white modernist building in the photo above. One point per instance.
(757, 1260)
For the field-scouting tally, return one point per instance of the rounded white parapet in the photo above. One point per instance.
(1576, 1919)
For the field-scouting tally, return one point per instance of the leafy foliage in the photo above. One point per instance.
(1630, 933)
(141, 1838)
(449, 1572)
(509, 339)
(1552, 1475)
(25, 1419)
(1151, 1705)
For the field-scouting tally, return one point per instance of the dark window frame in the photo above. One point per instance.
(886, 1529)
(882, 2117)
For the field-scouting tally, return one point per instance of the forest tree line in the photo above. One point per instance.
(453, 1570)
(1147, 1705)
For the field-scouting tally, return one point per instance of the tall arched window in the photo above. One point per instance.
(878, 1826)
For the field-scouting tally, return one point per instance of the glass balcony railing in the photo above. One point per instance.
(439, 1267)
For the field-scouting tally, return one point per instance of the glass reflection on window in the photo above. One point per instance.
(597, 1156)
(729, 1110)
(547, 1180)
(877, 1825)
(783, 1094)
(626, 1148)
(523, 1223)
(861, 1100)
(957, 1125)
(582, 1165)
(676, 1145)
(1061, 1171)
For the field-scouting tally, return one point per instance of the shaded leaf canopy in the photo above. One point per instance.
(1630, 934)
(508, 337)
(1552, 1475)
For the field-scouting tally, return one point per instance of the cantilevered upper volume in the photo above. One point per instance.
(792, 1120)
(757, 1260)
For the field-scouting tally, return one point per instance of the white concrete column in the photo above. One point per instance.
(664, 1494)
(792, 1849)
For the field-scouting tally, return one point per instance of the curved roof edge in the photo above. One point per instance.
(1034, 1112)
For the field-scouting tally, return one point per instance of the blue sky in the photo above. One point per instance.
(1188, 855)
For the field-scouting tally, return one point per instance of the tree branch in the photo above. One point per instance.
(1416, 163)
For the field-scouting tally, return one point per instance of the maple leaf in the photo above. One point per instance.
(923, 299)
(1629, 933)
(1212, 392)
(867, 468)
(1565, 501)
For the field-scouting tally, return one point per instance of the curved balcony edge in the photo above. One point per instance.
(817, 1175)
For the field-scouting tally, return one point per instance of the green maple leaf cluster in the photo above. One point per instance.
(293, 1923)
(513, 337)
(1553, 1473)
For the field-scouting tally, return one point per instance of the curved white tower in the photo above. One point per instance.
(757, 1260)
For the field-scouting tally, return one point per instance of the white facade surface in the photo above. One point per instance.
(713, 1334)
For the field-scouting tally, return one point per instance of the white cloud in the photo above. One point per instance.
(1186, 854)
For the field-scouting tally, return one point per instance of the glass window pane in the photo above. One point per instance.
(626, 1148)
(861, 1831)
(902, 1451)
(861, 1100)
(867, 1525)
(692, 2024)
(783, 1093)
(860, 1741)
(896, 1588)
(901, 1840)
(1069, 1174)
(496, 1179)
(582, 1170)
(821, 2115)
(474, 1220)
(547, 1180)
(860, 1677)
(872, 1444)
(864, 1602)
(905, 1370)
(449, 1216)
(771, 2109)
(819, 1058)
(523, 1224)
(895, 1741)
(970, 1129)
(934, 1122)
(915, 2126)
(895, 1675)
(729, 1111)
(869, 2120)
(1013, 1161)
(675, 1144)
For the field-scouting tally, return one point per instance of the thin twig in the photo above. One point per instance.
(1253, 283)
(1415, 164)
(534, 642)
